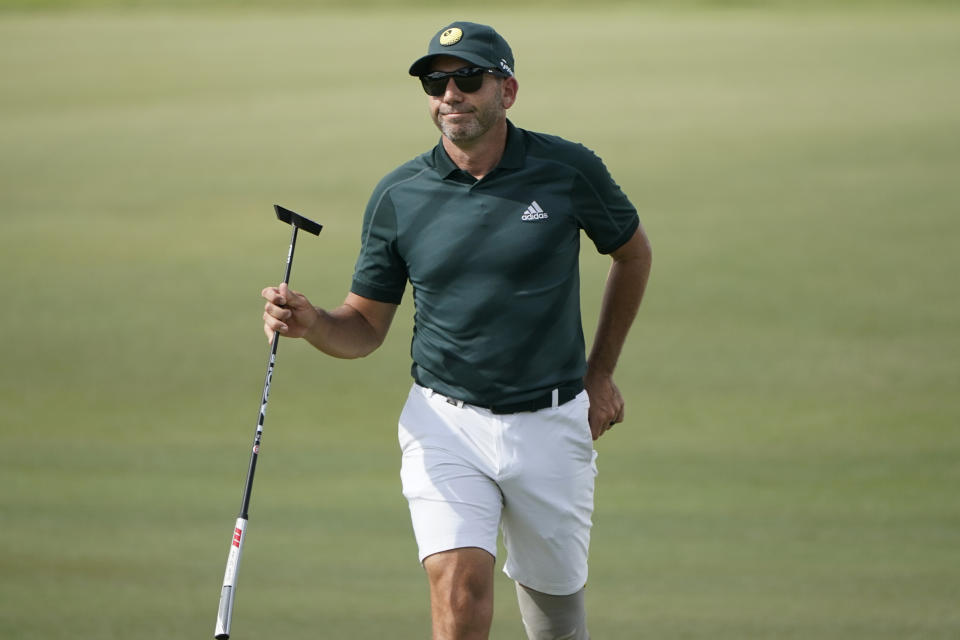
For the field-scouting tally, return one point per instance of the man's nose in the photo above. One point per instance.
(452, 93)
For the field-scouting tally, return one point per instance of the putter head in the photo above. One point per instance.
(298, 220)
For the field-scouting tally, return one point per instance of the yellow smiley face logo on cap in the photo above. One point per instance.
(451, 36)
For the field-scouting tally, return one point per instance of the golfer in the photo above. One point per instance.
(497, 431)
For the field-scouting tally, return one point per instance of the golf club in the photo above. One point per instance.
(225, 612)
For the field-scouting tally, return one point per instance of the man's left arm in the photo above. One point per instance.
(626, 283)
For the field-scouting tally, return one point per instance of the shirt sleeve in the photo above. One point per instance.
(602, 209)
(380, 272)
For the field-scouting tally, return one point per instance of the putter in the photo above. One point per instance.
(225, 612)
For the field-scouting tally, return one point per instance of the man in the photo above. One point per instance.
(498, 428)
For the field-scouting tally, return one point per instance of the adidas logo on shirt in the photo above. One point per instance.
(534, 213)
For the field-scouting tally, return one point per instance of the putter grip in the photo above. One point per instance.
(225, 611)
(224, 614)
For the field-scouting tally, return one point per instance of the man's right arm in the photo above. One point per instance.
(352, 330)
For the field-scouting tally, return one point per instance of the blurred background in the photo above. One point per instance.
(790, 461)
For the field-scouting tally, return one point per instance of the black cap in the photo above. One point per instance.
(476, 43)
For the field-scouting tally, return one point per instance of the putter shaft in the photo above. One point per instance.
(228, 590)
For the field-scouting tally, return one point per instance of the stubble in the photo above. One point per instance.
(468, 129)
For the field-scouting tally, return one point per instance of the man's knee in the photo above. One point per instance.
(461, 592)
(547, 617)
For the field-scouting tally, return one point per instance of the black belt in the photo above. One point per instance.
(565, 394)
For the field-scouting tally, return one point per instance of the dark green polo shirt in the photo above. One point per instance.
(494, 263)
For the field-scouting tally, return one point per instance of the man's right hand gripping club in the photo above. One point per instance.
(352, 330)
(287, 312)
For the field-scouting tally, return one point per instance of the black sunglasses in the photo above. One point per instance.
(467, 79)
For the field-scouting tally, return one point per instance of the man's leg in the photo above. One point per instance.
(547, 617)
(461, 593)
(548, 499)
(548, 506)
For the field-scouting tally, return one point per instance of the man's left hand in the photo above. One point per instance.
(606, 403)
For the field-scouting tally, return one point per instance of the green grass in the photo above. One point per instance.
(432, 5)
(790, 462)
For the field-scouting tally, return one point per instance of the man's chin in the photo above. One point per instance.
(459, 133)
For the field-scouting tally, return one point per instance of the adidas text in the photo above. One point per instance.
(533, 213)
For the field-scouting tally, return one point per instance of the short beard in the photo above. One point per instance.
(484, 120)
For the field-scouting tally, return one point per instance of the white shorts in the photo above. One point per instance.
(466, 472)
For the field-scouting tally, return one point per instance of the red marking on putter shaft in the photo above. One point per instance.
(237, 533)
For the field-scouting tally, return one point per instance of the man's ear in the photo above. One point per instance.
(510, 89)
